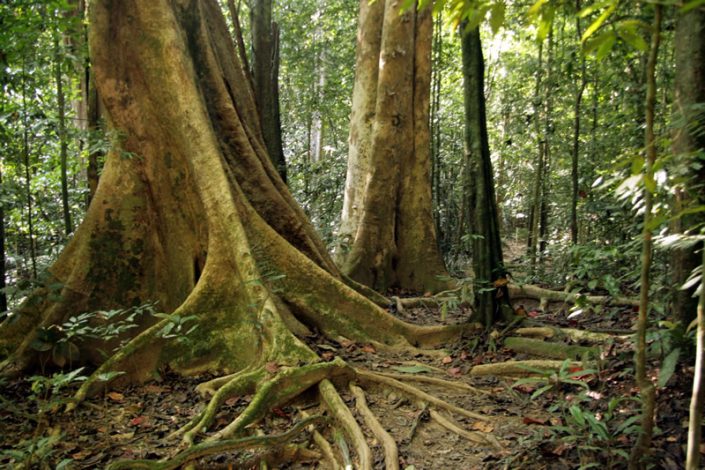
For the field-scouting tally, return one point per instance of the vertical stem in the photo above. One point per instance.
(574, 175)
(534, 212)
(63, 144)
(698, 397)
(646, 387)
(28, 178)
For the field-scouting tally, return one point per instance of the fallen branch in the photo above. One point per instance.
(550, 350)
(526, 291)
(518, 368)
(573, 334)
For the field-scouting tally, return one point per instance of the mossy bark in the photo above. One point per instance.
(190, 212)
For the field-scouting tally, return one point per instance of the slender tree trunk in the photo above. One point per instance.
(265, 64)
(317, 129)
(643, 444)
(27, 174)
(491, 291)
(63, 142)
(535, 208)
(3, 295)
(548, 136)
(697, 401)
(575, 156)
(436, 81)
(689, 149)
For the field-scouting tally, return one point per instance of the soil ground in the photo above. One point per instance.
(537, 432)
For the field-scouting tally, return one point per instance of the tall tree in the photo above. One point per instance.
(265, 73)
(689, 148)
(196, 221)
(491, 298)
(387, 215)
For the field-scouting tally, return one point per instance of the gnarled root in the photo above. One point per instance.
(476, 437)
(345, 419)
(435, 381)
(282, 388)
(391, 453)
(367, 376)
(210, 448)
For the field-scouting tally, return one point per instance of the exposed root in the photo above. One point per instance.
(435, 381)
(367, 376)
(280, 456)
(286, 385)
(476, 437)
(345, 419)
(422, 415)
(210, 448)
(391, 453)
(324, 445)
(519, 368)
(239, 383)
(211, 387)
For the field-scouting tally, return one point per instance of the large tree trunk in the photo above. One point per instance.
(198, 218)
(487, 257)
(689, 147)
(387, 213)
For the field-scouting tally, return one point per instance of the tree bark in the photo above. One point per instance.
(491, 293)
(265, 64)
(393, 243)
(689, 148)
(199, 220)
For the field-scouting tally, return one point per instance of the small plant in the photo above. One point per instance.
(62, 341)
(547, 380)
(596, 434)
(46, 394)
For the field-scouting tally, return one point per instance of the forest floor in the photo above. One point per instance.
(567, 425)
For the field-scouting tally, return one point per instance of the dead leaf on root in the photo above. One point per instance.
(116, 397)
(482, 426)
(368, 348)
(271, 367)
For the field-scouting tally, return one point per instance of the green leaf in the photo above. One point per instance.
(668, 367)
(417, 369)
(692, 5)
(577, 414)
(599, 21)
(650, 183)
(497, 16)
(633, 39)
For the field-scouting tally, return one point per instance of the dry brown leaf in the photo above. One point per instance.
(447, 360)
(82, 454)
(271, 367)
(116, 397)
(455, 371)
(482, 426)
(368, 348)
(530, 420)
(231, 401)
